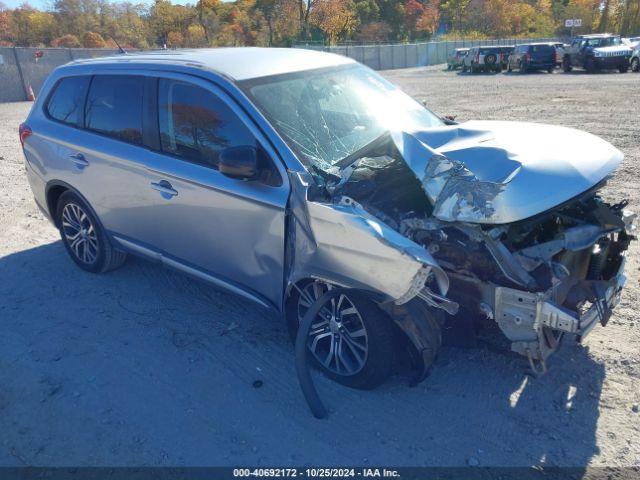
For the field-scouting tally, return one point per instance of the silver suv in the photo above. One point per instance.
(279, 174)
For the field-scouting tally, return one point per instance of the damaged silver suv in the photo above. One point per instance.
(280, 174)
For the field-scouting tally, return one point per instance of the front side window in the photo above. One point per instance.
(326, 115)
(114, 107)
(197, 125)
(67, 100)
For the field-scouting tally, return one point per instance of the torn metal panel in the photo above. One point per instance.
(344, 245)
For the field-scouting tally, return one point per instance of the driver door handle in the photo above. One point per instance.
(79, 160)
(165, 188)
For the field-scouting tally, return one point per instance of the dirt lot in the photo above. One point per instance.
(147, 367)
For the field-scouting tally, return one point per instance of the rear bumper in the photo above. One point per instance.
(541, 65)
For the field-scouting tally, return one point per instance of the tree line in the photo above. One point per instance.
(97, 23)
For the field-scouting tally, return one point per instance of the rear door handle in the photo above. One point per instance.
(164, 188)
(79, 160)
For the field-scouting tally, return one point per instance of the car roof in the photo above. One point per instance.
(241, 63)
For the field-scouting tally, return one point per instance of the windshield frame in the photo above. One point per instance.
(246, 87)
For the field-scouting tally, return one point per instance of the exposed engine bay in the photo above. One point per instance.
(559, 271)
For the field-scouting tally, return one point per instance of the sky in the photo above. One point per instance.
(46, 4)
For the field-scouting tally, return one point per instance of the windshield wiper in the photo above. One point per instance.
(361, 152)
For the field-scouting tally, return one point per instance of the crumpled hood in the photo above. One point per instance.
(501, 172)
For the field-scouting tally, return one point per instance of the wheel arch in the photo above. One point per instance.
(54, 190)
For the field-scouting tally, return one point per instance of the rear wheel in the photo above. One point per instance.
(550, 70)
(352, 341)
(590, 65)
(635, 65)
(566, 65)
(83, 236)
(623, 68)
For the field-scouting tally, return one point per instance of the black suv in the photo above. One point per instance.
(597, 52)
(535, 56)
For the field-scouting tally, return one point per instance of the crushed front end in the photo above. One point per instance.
(556, 272)
(572, 259)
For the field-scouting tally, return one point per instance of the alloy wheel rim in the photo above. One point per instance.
(338, 338)
(80, 233)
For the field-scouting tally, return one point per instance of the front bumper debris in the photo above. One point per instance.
(523, 316)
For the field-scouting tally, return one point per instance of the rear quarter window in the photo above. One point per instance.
(114, 107)
(67, 100)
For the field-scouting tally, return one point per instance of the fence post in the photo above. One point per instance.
(70, 54)
(24, 86)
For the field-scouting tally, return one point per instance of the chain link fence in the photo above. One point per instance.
(26, 69)
(23, 70)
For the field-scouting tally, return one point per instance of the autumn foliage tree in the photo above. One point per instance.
(93, 40)
(66, 41)
(158, 23)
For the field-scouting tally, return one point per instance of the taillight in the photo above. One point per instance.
(25, 132)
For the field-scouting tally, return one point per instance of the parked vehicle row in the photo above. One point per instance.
(604, 51)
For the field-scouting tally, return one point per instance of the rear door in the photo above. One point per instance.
(113, 158)
(227, 230)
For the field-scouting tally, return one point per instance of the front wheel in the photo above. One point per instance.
(351, 341)
(590, 65)
(550, 70)
(566, 65)
(83, 236)
(623, 68)
(635, 65)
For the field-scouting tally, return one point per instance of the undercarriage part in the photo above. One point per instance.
(438, 301)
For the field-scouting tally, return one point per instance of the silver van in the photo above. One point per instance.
(280, 174)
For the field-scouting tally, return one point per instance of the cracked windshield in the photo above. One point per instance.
(327, 115)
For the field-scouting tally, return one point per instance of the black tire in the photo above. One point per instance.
(635, 65)
(566, 65)
(590, 65)
(522, 68)
(99, 255)
(380, 341)
(623, 68)
(550, 70)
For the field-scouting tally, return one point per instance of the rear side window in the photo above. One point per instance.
(196, 125)
(67, 101)
(114, 107)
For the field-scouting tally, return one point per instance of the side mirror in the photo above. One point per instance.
(239, 162)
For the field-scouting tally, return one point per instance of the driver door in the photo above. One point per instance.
(226, 230)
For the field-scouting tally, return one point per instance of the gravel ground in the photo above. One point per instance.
(146, 367)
